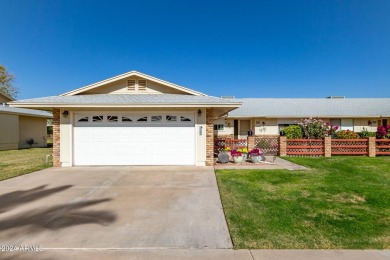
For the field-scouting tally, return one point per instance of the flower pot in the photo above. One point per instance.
(257, 159)
(238, 159)
(223, 157)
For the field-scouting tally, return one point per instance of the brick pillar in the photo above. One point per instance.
(251, 142)
(209, 137)
(282, 146)
(328, 146)
(371, 146)
(56, 137)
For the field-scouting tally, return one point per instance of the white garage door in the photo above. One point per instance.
(134, 139)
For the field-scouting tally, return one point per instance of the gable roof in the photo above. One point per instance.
(7, 96)
(312, 107)
(25, 112)
(129, 74)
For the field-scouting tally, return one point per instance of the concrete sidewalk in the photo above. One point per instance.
(270, 164)
(225, 254)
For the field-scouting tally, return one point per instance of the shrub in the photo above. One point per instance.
(293, 132)
(331, 129)
(383, 132)
(346, 134)
(365, 133)
(314, 128)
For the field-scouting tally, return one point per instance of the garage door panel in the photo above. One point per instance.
(142, 144)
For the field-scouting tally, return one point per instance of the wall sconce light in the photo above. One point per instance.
(369, 123)
(199, 112)
(263, 123)
(65, 114)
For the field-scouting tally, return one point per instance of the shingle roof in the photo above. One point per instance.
(23, 111)
(126, 99)
(312, 107)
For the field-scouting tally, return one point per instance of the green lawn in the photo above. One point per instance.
(18, 162)
(340, 203)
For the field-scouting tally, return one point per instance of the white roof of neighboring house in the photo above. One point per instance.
(126, 100)
(25, 112)
(312, 107)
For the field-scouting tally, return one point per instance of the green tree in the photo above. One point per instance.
(6, 80)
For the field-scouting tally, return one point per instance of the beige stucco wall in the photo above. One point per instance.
(9, 131)
(32, 127)
(120, 87)
(66, 131)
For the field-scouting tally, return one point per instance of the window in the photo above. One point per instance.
(97, 119)
(185, 119)
(83, 119)
(156, 118)
(131, 84)
(219, 127)
(112, 118)
(347, 124)
(335, 122)
(143, 119)
(126, 119)
(171, 118)
(141, 85)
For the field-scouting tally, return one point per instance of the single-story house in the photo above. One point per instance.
(132, 119)
(137, 119)
(21, 128)
(268, 116)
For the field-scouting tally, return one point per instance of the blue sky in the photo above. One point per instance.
(241, 48)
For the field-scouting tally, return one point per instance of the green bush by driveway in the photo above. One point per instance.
(341, 202)
(18, 162)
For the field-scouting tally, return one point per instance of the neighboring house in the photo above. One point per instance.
(132, 119)
(18, 125)
(268, 116)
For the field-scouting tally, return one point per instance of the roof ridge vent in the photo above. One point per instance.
(228, 97)
(336, 97)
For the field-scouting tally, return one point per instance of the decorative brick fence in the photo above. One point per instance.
(312, 147)
(382, 146)
(274, 145)
(328, 147)
(268, 144)
(221, 144)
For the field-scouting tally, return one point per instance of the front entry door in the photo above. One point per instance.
(245, 126)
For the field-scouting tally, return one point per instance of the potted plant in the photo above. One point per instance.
(224, 156)
(237, 156)
(256, 155)
(244, 152)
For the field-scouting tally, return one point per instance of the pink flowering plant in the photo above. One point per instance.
(383, 132)
(332, 129)
(256, 152)
(235, 153)
(316, 128)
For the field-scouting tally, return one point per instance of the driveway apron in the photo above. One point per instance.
(114, 207)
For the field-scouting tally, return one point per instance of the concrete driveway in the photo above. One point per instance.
(114, 207)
